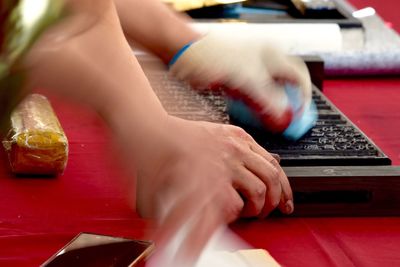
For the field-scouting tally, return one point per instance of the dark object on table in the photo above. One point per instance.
(345, 190)
(92, 250)
(334, 141)
(278, 11)
(323, 9)
(268, 4)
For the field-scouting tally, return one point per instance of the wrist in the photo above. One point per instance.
(176, 39)
(136, 128)
(121, 110)
(178, 54)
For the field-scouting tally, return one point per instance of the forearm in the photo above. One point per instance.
(97, 68)
(156, 27)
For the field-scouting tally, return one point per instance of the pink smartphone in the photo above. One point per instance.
(93, 250)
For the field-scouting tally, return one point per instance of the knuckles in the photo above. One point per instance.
(233, 210)
(260, 192)
(275, 179)
(233, 147)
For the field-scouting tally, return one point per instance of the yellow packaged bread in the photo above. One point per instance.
(36, 144)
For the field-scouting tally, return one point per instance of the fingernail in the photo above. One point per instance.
(289, 207)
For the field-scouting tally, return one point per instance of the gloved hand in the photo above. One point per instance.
(255, 72)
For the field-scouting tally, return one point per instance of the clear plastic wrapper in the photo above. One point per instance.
(36, 143)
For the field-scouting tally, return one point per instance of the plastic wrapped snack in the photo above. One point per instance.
(36, 143)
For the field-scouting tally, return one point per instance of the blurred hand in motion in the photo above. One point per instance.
(252, 70)
(205, 176)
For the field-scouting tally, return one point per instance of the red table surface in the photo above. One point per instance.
(40, 215)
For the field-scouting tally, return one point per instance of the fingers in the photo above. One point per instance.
(294, 71)
(199, 231)
(270, 176)
(304, 79)
(174, 227)
(190, 223)
(204, 225)
(265, 169)
(286, 201)
(253, 190)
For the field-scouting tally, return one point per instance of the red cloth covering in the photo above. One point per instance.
(40, 215)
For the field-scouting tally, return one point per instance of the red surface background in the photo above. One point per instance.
(388, 9)
(39, 215)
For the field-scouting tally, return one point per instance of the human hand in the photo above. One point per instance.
(256, 72)
(204, 176)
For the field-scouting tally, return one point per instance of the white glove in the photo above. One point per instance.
(255, 72)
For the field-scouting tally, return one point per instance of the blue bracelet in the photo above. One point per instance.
(178, 54)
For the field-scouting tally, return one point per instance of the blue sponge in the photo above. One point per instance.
(300, 124)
